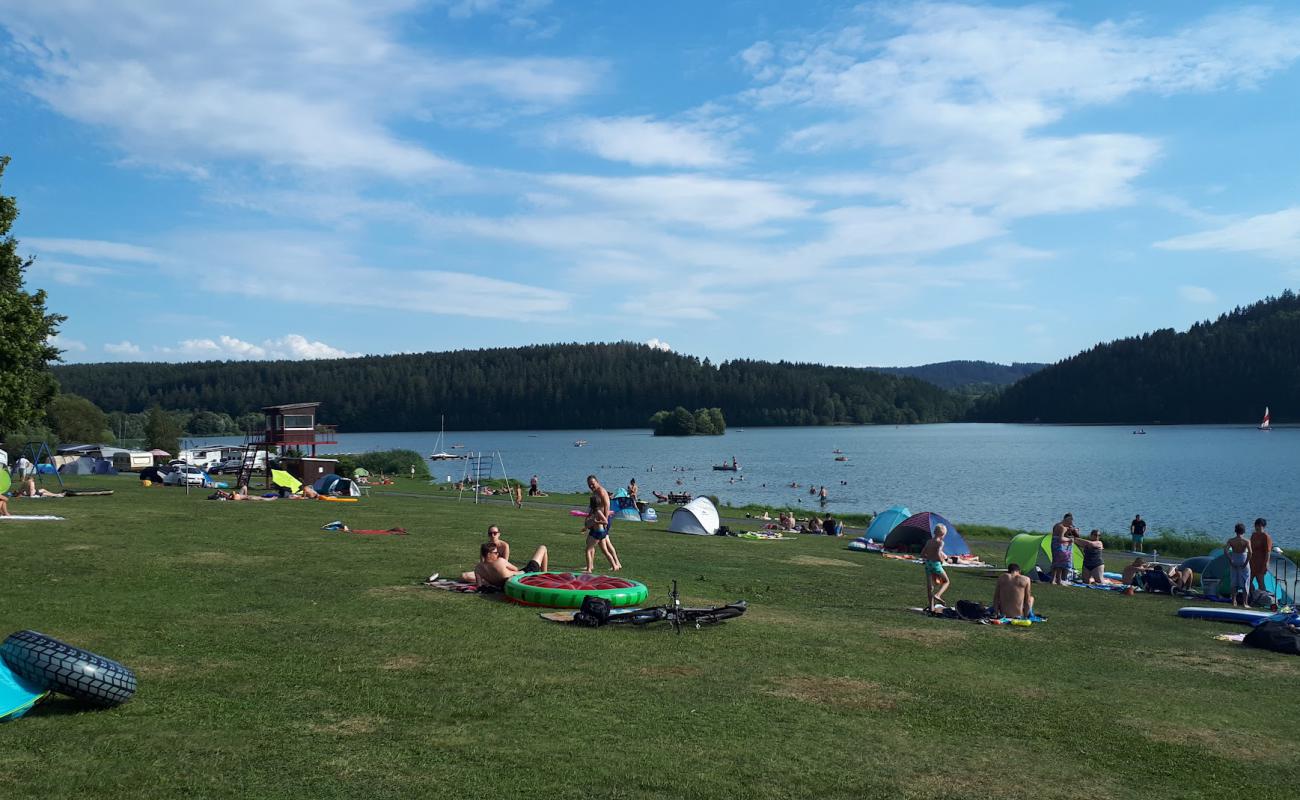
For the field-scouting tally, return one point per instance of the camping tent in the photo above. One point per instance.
(1030, 550)
(333, 484)
(910, 535)
(623, 507)
(697, 517)
(886, 521)
(1282, 580)
(88, 466)
(1196, 564)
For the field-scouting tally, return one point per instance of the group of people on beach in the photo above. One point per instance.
(1248, 561)
(494, 567)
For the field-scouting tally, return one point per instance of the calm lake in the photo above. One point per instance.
(1183, 478)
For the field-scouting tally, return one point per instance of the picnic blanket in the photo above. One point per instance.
(948, 613)
(970, 563)
(768, 536)
(452, 585)
(31, 517)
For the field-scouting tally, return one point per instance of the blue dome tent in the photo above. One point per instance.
(912, 533)
(886, 521)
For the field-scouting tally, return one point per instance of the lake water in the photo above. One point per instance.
(1197, 478)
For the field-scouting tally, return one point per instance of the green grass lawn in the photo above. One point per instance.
(279, 660)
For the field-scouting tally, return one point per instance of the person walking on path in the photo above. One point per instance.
(1238, 552)
(1261, 550)
(1137, 529)
(597, 526)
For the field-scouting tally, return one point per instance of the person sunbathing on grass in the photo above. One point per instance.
(493, 570)
(1012, 597)
(30, 489)
(933, 556)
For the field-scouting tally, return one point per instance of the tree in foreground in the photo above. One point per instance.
(26, 384)
(161, 432)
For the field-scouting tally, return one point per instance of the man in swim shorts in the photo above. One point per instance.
(1012, 596)
(597, 526)
(1261, 550)
(1137, 529)
(1063, 534)
(933, 556)
(1238, 552)
(1133, 573)
(493, 570)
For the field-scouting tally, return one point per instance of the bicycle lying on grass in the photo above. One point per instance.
(673, 612)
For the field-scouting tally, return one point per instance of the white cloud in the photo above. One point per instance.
(645, 142)
(693, 200)
(1275, 235)
(658, 344)
(961, 94)
(67, 273)
(1196, 294)
(94, 249)
(122, 348)
(946, 329)
(281, 259)
(294, 83)
(293, 347)
(67, 345)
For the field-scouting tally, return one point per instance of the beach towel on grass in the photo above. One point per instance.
(30, 517)
(447, 584)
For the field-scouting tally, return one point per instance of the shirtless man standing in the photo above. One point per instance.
(1012, 597)
(493, 570)
(1238, 552)
(598, 527)
(1063, 534)
(933, 556)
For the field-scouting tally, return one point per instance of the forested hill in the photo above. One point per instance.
(1221, 371)
(538, 387)
(967, 377)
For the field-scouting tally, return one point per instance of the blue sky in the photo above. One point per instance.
(877, 184)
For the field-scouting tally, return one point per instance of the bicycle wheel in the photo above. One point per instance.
(709, 616)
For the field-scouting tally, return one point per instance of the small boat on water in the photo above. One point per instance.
(458, 447)
(841, 458)
(443, 455)
(580, 443)
(1139, 432)
(837, 451)
(724, 467)
(1264, 426)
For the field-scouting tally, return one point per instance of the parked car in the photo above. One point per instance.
(182, 475)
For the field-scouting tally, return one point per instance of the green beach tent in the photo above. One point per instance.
(1031, 550)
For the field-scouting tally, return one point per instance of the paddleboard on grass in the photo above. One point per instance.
(565, 617)
(1228, 614)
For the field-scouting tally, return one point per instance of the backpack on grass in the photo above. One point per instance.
(594, 612)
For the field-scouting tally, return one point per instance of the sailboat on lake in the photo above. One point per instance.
(1264, 426)
(438, 453)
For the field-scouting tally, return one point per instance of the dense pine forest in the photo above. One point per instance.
(1221, 371)
(538, 387)
(967, 377)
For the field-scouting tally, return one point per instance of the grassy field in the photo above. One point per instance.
(277, 660)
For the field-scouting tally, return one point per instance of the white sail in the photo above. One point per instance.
(1263, 426)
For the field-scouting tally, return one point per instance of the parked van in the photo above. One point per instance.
(132, 460)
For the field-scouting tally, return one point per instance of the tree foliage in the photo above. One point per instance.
(1221, 371)
(76, 419)
(538, 387)
(26, 385)
(680, 422)
(161, 431)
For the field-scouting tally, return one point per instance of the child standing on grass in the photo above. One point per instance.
(937, 581)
